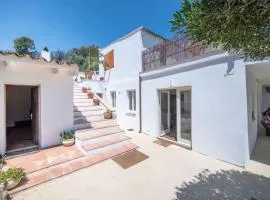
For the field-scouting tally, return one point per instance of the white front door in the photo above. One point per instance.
(165, 112)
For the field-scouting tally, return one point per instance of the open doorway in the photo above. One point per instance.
(22, 117)
(175, 115)
(168, 113)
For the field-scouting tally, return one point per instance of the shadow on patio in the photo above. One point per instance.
(225, 184)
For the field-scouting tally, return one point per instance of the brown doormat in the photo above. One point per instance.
(164, 143)
(130, 159)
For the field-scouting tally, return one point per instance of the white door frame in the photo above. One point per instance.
(164, 132)
(178, 102)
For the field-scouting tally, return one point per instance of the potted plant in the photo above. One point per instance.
(96, 101)
(2, 161)
(84, 89)
(10, 178)
(90, 94)
(108, 114)
(68, 138)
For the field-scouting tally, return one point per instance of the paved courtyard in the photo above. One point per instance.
(167, 173)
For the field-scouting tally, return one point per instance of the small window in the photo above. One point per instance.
(113, 98)
(132, 100)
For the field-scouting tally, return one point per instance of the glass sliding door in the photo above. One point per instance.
(184, 116)
(165, 112)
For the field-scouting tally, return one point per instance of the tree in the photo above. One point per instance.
(24, 45)
(85, 57)
(59, 56)
(240, 26)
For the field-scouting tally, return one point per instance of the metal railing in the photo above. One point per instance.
(172, 52)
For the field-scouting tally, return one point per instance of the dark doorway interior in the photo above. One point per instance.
(172, 134)
(21, 117)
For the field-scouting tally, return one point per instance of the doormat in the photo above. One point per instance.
(164, 143)
(130, 159)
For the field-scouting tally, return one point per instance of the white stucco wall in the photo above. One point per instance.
(219, 108)
(125, 75)
(56, 101)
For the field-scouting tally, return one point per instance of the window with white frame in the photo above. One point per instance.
(131, 100)
(113, 98)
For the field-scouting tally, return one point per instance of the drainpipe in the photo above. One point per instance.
(140, 101)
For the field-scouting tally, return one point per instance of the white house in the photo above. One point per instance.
(120, 87)
(32, 92)
(206, 100)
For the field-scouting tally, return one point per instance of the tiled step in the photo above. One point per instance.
(78, 94)
(53, 172)
(83, 104)
(93, 118)
(96, 133)
(104, 123)
(81, 126)
(29, 162)
(82, 100)
(88, 113)
(87, 108)
(95, 124)
(105, 142)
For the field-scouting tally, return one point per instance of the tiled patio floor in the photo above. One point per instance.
(45, 158)
(55, 162)
(169, 173)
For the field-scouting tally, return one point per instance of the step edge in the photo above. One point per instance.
(115, 142)
(98, 136)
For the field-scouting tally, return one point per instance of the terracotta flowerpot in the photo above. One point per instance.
(96, 102)
(90, 95)
(108, 115)
(84, 89)
(12, 183)
(69, 142)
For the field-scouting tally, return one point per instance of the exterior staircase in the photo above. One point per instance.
(94, 134)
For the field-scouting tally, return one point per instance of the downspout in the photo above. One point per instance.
(140, 101)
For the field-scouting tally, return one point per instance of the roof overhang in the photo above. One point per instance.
(9, 63)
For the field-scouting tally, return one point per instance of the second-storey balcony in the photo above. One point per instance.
(171, 52)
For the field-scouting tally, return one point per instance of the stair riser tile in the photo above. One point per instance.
(87, 113)
(99, 139)
(91, 118)
(82, 100)
(103, 123)
(107, 148)
(106, 130)
(81, 126)
(83, 104)
(90, 109)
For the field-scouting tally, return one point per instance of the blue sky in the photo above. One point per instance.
(73, 23)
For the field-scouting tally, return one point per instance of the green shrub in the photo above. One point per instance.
(67, 135)
(11, 173)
